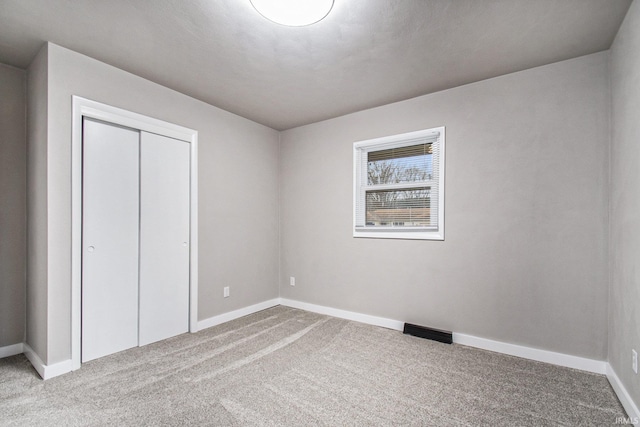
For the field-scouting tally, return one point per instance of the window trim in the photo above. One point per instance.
(394, 141)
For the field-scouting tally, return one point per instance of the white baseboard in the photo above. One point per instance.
(343, 314)
(11, 350)
(624, 396)
(46, 371)
(560, 359)
(232, 315)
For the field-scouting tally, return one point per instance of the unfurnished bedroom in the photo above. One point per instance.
(329, 212)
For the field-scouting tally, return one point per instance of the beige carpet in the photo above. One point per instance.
(289, 367)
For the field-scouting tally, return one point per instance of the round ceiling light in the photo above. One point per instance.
(294, 13)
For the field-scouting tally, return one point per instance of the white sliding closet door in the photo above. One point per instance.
(109, 239)
(164, 237)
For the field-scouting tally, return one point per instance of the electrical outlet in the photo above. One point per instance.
(292, 281)
(226, 292)
(634, 361)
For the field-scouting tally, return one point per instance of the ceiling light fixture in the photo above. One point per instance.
(294, 13)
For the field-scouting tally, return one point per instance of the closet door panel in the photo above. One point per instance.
(109, 239)
(164, 237)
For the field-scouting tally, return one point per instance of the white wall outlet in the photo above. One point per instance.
(634, 361)
(292, 281)
(225, 292)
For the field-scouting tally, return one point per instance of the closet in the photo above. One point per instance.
(135, 238)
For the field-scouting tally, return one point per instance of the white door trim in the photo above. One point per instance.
(83, 107)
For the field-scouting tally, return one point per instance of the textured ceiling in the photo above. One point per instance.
(366, 53)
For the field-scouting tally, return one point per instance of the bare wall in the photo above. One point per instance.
(624, 312)
(524, 260)
(37, 262)
(238, 187)
(13, 204)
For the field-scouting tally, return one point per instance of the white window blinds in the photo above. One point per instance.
(398, 185)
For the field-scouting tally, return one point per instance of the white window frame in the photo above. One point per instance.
(360, 150)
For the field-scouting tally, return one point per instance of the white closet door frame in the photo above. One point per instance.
(83, 107)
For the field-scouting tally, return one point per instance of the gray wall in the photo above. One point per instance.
(13, 204)
(525, 255)
(624, 312)
(238, 187)
(37, 239)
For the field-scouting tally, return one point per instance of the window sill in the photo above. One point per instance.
(409, 235)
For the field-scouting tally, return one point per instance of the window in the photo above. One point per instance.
(399, 186)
